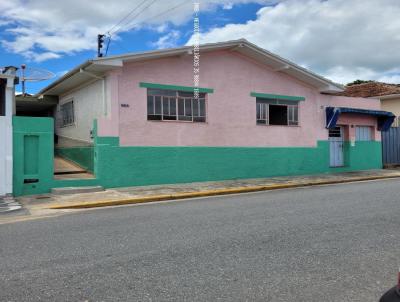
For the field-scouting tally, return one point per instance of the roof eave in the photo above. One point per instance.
(108, 63)
(63, 78)
(386, 97)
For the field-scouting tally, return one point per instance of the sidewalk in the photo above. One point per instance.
(48, 204)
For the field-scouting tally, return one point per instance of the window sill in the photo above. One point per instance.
(176, 121)
(289, 126)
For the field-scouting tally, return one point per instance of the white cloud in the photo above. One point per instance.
(227, 6)
(61, 73)
(168, 40)
(341, 39)
(44, 29)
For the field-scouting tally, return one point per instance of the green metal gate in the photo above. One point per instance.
(33, 154)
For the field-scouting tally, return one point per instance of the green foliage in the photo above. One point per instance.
(357, 82)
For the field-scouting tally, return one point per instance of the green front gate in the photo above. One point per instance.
(33, 154)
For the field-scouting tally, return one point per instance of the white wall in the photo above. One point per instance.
(88, 105)
(6, 164)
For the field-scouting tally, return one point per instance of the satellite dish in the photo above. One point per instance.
(33, 74)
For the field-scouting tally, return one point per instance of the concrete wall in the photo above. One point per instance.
(392, 105)
(6, 149)
(231, 111)
(88, 105)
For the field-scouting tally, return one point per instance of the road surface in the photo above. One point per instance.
(328, 243)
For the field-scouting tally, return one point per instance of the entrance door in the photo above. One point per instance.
(336, 147)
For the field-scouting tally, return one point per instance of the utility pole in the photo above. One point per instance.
(23, 66)
(100, 41)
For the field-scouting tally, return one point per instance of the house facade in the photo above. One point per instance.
(391, 102)
(135, 119)
(388, 94)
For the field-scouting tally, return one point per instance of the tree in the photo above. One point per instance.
(357, 82)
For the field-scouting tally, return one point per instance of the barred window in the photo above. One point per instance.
(277, 112)
(173, 105)
(67, 113)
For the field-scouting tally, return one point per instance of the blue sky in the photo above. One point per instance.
(343, 46)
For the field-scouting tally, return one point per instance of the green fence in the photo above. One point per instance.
(33, 157)
(117, 166)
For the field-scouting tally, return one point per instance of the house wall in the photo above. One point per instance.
(74, 141)
(392, 105)
(129, 150)
(230, 145)
(6, 148)
(88, 105)
(231, 111)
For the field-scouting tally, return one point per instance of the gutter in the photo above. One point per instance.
(64, 77)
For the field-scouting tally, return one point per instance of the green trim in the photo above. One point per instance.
(108, 140)
(277, 96)
(174, 87)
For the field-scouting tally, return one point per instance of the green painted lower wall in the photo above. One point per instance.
(118, 166)
(161, 165)
(82, 156)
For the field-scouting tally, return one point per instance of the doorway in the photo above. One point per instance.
(336, 147)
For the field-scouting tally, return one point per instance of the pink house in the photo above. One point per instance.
(134, 119)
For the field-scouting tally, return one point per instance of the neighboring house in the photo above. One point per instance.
(257, 115)
(388, 94)
(7, 109)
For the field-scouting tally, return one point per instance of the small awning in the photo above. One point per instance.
(385, 118)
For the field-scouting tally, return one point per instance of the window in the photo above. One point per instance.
(172, 105)
(67, 114)
(277, 112)
(363, 133)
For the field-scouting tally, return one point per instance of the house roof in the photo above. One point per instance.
(99, 66)
(372, 89)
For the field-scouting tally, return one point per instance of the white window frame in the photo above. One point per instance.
(178, 100)
(264, 115)
(364, 133)
(63, 120)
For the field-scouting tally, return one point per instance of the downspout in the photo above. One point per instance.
(103, 79)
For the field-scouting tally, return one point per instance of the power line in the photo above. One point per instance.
(152, 17)
(164, 12)
(126, 16)
(134, 17)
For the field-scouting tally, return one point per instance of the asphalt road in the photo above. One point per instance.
(330, 243)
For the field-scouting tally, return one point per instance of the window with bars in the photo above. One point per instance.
(172, 105)
(277, 112)
(67, 114)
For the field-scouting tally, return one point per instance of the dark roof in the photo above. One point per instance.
(370, 89)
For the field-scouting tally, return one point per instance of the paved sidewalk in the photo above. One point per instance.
(9, 204)
(49, 204)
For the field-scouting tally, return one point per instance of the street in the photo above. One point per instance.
(326, 243)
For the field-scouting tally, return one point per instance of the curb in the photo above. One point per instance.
(177, 196)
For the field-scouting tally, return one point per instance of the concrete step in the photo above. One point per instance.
(76, 190)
